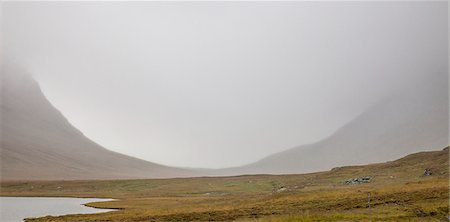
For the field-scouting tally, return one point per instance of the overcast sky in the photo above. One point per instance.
(218, 84)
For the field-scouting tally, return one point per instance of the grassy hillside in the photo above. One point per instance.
(398, 189)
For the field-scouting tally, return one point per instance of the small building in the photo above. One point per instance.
(365, 179)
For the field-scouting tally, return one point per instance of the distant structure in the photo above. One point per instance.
(365, 179)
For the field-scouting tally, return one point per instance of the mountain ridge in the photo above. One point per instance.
(38, 142)
(414, 120)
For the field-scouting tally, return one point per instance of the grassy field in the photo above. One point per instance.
(398, 190)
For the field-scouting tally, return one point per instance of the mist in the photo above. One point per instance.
(221, 84)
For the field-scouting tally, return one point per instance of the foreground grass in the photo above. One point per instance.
(398, 191)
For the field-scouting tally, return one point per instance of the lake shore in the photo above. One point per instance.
(13, 207)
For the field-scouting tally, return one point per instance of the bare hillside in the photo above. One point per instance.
(413, 120)
(38, 143)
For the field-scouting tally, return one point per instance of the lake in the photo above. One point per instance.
(13, 209)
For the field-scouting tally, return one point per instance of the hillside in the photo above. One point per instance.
(38, 143)
(411, 121)
(399, 192)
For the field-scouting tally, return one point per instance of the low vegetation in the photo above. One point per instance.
(399, 191)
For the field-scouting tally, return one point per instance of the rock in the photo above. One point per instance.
(281, 189)
(427, 172)
(420, 213)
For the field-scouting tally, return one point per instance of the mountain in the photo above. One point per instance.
(38, 143)
(415, 119)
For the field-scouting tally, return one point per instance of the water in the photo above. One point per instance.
(14, 209)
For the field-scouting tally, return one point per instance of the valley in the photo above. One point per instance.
(399, 191)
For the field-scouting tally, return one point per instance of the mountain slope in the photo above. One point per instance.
(38, 143)
(414, 120)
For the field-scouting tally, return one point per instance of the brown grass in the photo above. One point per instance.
(398, 191)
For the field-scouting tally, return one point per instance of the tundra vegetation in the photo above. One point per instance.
(399, 191)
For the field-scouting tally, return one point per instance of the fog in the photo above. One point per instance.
(220, 84)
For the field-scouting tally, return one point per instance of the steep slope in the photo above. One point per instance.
(38, 143)
(413, 120)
